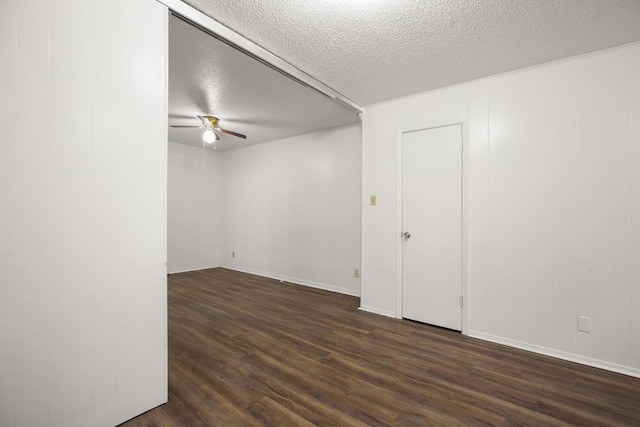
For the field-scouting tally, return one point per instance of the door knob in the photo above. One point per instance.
(406, 235)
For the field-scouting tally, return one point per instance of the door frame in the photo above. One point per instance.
(464, 129)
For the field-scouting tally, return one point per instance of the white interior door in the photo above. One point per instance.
(432, 226)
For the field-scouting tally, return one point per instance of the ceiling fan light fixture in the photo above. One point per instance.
(209, 136)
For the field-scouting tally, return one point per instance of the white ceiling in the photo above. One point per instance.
(374, 50)
(209, 77)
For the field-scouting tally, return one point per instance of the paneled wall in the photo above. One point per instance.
(291, 209)
(194, 203)
(82, 224)
(552, 205)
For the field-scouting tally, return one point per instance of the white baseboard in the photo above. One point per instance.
(571, 357)
(189, 269)
(375, 310)
(295, 281)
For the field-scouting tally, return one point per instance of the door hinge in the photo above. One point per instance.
(461, 301)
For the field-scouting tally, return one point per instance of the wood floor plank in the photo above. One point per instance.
(251, 351)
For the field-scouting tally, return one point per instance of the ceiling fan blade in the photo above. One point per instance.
(230, 132)
(177, 126)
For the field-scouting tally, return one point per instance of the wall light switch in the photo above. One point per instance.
(356, 272)
(373, 200)
(233, 254)
(584, 324)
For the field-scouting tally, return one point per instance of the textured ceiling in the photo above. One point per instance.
(374, 50)
(208, 77)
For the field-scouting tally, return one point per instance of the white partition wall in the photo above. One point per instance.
(551, 205)
(83, 211)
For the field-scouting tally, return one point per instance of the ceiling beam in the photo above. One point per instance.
(213, 27)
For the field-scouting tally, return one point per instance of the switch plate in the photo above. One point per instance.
(373, 200)
(584, 324)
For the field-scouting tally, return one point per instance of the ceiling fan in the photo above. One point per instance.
(210, 125)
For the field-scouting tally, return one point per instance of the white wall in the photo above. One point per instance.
(291, 209)
(193, 208)
(82, 222)
(552, 204)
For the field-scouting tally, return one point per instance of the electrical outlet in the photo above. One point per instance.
(356, 272)
(233, 254)
(584, 324)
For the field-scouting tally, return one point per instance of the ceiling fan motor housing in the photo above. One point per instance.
(209, 121)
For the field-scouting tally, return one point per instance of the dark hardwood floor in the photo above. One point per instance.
(250, 351)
